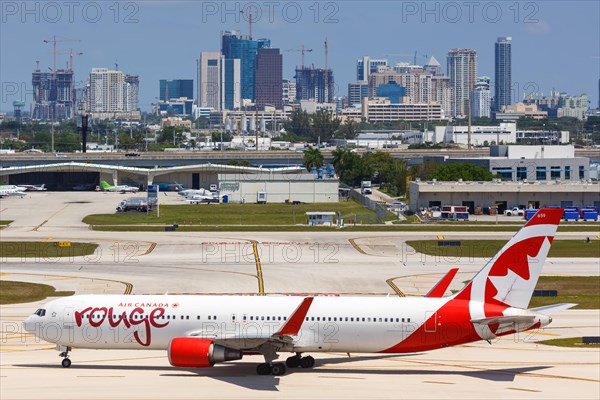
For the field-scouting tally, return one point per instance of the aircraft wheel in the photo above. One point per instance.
(66, 363)
(307, 362)
(263, 369)
(292, 362)
(278, 369)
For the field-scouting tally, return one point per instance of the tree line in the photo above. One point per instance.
(392, 175)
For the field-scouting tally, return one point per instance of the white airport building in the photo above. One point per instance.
(528, 163)
(504, 133)
(503, 194)
(278, 188)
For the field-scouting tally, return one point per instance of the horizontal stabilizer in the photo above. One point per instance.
(516, 319)
(553, 309)
(440, 288)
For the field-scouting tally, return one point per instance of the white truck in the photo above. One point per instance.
(514, 212)
(365, 187)
(133, 203)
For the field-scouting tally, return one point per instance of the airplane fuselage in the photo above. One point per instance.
(346, 324)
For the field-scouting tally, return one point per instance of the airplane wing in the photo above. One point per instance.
(440, 288)
(255, 337)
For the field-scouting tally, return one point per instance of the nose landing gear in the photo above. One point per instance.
(64, 353)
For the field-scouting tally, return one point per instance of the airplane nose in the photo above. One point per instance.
(29, 324)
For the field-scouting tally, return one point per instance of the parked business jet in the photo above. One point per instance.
(12, 190)
(188, 193)
(199, 331)
(118, 188)
(35, 188)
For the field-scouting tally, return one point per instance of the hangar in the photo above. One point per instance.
(504, 194)
(86, 176)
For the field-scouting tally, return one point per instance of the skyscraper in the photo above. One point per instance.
(233, 85)
(53, 95)
(289, 91)
(210, 80)
(356, 92)
(365, 67)
(314, 84)
(176, 89)
(131, 89)
(462, 70)
(503, 72)
(243, 47)
(481, 98)
(268, 83)
(433, 66)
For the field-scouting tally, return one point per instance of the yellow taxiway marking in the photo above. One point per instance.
(48, 239)
(49, 218)
(150, 249)
(357, 247)
(440, 237)
(394, 287)
(259, 276)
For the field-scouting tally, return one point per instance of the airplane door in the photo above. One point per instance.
(430, 321)
(69, 317)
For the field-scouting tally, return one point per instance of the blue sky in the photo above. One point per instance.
(556, 44)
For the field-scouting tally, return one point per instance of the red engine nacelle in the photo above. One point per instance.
(199, 353)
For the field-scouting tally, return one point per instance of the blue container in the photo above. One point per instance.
(225, 198)
(571, 215)
(462, 216)
(590, 215)
(530, 213)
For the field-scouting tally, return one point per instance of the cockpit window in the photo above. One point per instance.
(40, 312)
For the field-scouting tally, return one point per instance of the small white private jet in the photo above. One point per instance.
(35, 188)
(12, 190)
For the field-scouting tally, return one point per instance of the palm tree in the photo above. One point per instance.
(338, 159)
(313, 158)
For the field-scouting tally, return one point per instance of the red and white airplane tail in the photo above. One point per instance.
(510, 277)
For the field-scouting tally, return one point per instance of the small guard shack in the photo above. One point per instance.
(320, 218)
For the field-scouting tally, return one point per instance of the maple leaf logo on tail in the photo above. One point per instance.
(509, 278)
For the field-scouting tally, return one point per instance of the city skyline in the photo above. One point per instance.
(534, 55)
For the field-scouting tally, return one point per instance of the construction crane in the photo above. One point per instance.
(326, 52)
(55, 40)
(250, 21)
(71, 55)
(302, 50)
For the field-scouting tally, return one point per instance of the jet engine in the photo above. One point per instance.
(199, 353)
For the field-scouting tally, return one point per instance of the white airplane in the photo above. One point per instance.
(118, 188)
(12, 190)
(35, 188)
(199, 331)
(188, 193)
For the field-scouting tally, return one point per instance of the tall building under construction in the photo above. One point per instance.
(53, 95)
(314, 84)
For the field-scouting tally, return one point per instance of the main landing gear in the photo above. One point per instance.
(299, 361)
(66, 362)
(276, 369)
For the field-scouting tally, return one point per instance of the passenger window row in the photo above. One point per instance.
(357, 319)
